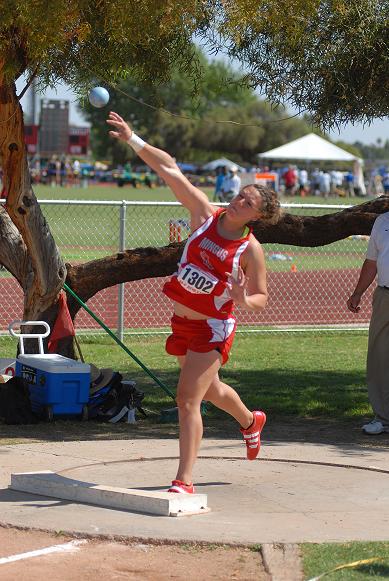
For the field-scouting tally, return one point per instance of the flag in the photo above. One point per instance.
(63, 326)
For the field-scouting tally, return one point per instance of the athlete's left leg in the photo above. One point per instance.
(198, 371)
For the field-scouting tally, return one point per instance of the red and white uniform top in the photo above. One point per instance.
(200, 282)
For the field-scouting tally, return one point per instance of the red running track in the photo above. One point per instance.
(295, 298)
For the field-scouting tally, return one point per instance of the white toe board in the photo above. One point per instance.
(53, 485)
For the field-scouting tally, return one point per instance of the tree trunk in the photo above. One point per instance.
(27, 248)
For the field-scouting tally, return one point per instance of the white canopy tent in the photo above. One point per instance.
(310, 148)
(222, 162)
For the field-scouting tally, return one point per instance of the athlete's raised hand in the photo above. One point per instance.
(122, 129)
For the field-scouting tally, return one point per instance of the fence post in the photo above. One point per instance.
(122, 246)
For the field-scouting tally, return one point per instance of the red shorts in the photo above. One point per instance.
(201, 336)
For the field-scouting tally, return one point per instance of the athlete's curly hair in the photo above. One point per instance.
(271, 209)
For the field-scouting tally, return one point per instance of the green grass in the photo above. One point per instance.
(287, 375)
(323, 201)
(319, 558)
(110, 192)
(86, 231)
(346, 253)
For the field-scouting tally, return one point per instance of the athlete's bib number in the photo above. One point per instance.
(196, 280)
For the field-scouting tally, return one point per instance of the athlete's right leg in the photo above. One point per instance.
(226, 398)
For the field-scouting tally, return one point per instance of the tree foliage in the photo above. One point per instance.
(77, 40)
(223, 118)
(374, 151)
(328, 58)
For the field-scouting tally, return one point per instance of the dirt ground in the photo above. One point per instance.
(114, 560)
(99, 559)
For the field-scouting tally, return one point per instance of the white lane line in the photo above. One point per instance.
(72, 546)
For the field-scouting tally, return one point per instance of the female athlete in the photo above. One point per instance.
(222, 265)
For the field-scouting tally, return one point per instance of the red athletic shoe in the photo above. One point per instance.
(252, 435)
(181, 487)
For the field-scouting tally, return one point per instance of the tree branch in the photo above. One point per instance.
(313, 231)
(89, 278)
(28, 84)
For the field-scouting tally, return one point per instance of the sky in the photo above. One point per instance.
(378, 129)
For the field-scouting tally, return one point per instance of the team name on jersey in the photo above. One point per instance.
(220, 252)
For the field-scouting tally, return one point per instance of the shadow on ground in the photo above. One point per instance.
(317, 407)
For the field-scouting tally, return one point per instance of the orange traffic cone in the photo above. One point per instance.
(293, 268)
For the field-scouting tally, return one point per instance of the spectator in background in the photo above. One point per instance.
(63, 172)
(76, 172)
(349, 179)
(339, 180)
(36, 171)
(377, 185)
(333, 182)
(51, 170)
(221, 173)
(69, 172)
(336, 182)
(57, 172)
(376, 263)
(325, 184)
(303, 182)
(385, 182)
(290, 179)
(231, 185)
(315, 182)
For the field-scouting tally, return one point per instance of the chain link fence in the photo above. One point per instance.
(308, 287)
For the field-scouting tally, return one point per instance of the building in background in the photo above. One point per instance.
(53, 127)
(78, 141)
(54, 136)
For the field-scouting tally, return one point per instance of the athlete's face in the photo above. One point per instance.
(247, 205)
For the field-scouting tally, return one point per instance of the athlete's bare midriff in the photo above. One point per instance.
(183, 311)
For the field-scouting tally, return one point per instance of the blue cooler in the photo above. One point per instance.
(58, 385)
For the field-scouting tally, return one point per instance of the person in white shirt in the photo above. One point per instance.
(376, 264)
(315, 182)
(231, 185)
(333, 182)
(325, 184)
(303, 182)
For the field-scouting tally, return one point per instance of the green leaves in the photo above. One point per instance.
(200, 124)
(328, 57)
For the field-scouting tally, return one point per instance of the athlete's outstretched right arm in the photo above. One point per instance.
(165, 166)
